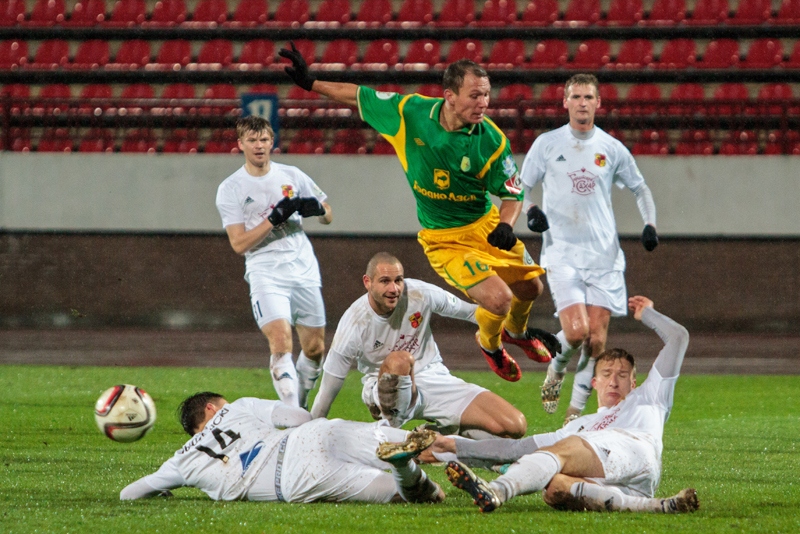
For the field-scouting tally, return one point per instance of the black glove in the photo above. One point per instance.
(282, 211)
(299, 69)
(309, 206)
(537, 220)
(649, 238)
(502, 237)
(550, 340)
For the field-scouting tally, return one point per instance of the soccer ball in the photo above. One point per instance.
(125, 413)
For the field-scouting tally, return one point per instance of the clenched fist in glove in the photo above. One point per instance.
(537, 220)
(649, 238)
(299, 69)
(502, 237)
(309, 206)
(282, 211)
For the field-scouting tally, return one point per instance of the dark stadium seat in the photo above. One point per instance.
(763, 53)
(624, 13)
(677, 54)
(520, 144)
(422, 53)
(687, 99)
(720, 54)
(127, 13)
(415, 13)
(97, 140)
(642, 99)
(256, 54)
(91, 54)
(456, 13)
(651, 143)
(382, 147)
(308, 141)
(729, 98)
(374, 13)
(709, 13)
(789, 12)
(54, 99)
(210, 13)
(666, 12)
(549, 54)
(752, 12)
(21, 94)
(508, 54)
(12, 12)
(430, 89)
(13, 54)
(250, 13)
(515, 92)
(132, 54)
(591, 54)
(174, 54)
(739, 143)
(222, 141)
(551, 100)
(168, 13)
(47, 12)
(540, 13)
(215, 54)
(380, 54)
(140, 141)
(471, 49)
(498, 13)
(609, 96)
(181, 141)
(51, 54)
(633, 54)
(349, 141)
(333, 13)
(87, 13)
(581, 13)
(775, 95)
(339, 54)
(694, 143)
(20, 139)
(292, 13)
(55, 140)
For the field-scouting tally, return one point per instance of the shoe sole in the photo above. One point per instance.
(416, 442)
(463, 478)
(551, 393)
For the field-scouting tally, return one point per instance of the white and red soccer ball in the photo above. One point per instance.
(125, 413)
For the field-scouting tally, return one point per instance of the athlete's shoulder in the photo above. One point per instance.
(608, 139)
(234, 178)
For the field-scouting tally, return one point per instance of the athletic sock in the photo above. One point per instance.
(394, 394)
(516, 321)
(284, 378)
(601, 498)
(490, 326)
(476, 434)
(561, 359)
(582, 387)
(308, 371)
(529, 474)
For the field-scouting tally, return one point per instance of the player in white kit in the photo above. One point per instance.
(609, 460)
(577, 164)
(263, 450)
(387, 334)
(262, 206)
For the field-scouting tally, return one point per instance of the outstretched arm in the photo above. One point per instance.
(165, 479)
(346, 93)
(675, 337)
(328, 389)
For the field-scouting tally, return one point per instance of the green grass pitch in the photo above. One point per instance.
(734, 438)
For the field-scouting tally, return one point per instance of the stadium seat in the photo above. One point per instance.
(591, 54)
(382, 147)
(687, 99)
(250, 13)
(471, 49)
(140, 141)
(181, 141)
(415, 13)
(339, 54)
(498, 13)
(308, 141)
(694, 143)
(609, 95)
(720, 54)
(12, 12)
(51, 54)
(456, 13)
(677, 54)
(87, 13)
(128, 13)
(132, 54)
(54, 99)
(174, 54)
(739, 143)
(709, 13)
(221, 91)
(793, 62)
(752, 12)
(381, 54)
(55, 140)
(520, 144)
(215, 54)
(540, 13)
(307, 49)
(169, 13)
(332, 13)
(348, 141)
(95, 98)
(222, 141)
(374, 13)
(782, 142)
(91, 54)
(651, 143)
(666, 12)
(434, 90)
(20, 95)
(776, 96)
(137, 91)
(178, 91)
(20, 140)
(13, 54)
(422, 54)
(729, 99)
(47, 13)
(256, 54)
(763, 53)
(624, 13)
(210, 13)
(508, 54)
(390, 88)
(642, 99)
(263, 88)
(551, 100)
(633, 54)
(515, 92)
(789, 12)
(97, 140)
(292, 13)
(549, 54)
(581, 13)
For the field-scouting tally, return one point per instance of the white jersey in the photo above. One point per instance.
(366, 338)
(576, 176)
(286, 252)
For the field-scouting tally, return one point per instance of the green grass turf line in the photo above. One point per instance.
(734, 438)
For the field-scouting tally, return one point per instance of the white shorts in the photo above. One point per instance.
(592, 287)
(630, 464)
(441, 397)
(297, 305)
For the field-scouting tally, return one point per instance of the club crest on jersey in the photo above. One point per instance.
(600, 160)
(248, 457)
(415, 319)
(514, 185)
(441, 178)
(465, 164)
(583, 182)
(287, 190)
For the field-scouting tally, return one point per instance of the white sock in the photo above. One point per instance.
(582, 387)
(308, 372)
(599, 498)
(284, 378)
(559, 363)
(529, 474)
(394, 394)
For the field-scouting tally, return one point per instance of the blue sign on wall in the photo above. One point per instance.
(263, 105)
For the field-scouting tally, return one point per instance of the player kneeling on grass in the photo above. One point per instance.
(387, 335)
(262, 450)
(609, 460)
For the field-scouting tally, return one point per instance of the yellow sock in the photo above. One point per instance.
(517, 319)
(489, 326)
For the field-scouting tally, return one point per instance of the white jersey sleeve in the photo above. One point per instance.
(448, 305)
(166, 478)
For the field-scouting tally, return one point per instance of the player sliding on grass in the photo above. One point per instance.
(454, 158)
(387, 335)
(263, 450)
(610, 460)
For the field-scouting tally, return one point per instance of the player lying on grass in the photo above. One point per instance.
(609, 460)
(264, 450)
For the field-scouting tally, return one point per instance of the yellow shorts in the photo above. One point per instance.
(464, 258)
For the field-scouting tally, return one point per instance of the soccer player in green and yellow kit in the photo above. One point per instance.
(454, 158)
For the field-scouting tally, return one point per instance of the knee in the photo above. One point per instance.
(398, 363)
(576, 334)
(497, 302)
(597, 342)
(315, 348)
(528, 289)
(515, 427)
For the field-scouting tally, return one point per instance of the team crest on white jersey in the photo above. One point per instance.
(583, 182)
(415, 319)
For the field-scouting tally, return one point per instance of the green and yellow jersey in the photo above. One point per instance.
(451, 174)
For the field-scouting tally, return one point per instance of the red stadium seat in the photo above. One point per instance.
(381, 54)
(178, 91)
(263, 88)
(776, 95)
(520, 144)
(12, 12)
(292, 13)
(677, 54)
(789, 12)
(687, 99)
(48, 12)
(141, 141)
(221, 91)
(382, 147)
(332, 13)
(422, 53)
(256, 54)
(20, 95)
(307, 49)
(215, 54)
(709, 13)
(752, 12)
(210, 12)
(250, 13)
(415, 13)
(720, 54)
(434, 90)
(137, 91)
(694, 143)
(55, 140)
(582, 13)
(308, 141)
(174, 54)
(87, 13)
(20, 140)
(456, 13)
(763, 53)
(91, 54)
(498, 13)
(642, 99)
(54, 99)
(634, 54)
(651, 143)
(667, 12)
(128, 13)
(508, 54)
(181, 141)
(96, 91)
(339, 54)
(609, 96)
(515, 92)
(540, 13)
(591, 54)
(551, 100)
(132, 54)
(51, 54)
(222, 141)
(465, 48)
(624, 13)
(741, 143)
(549, 54)
(97, 140)
(168, 13)
(729, 99)
(349, 141)
(374, 13)
(13, 54)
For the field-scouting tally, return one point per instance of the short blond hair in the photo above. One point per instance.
(253, 123)
(582, 78)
